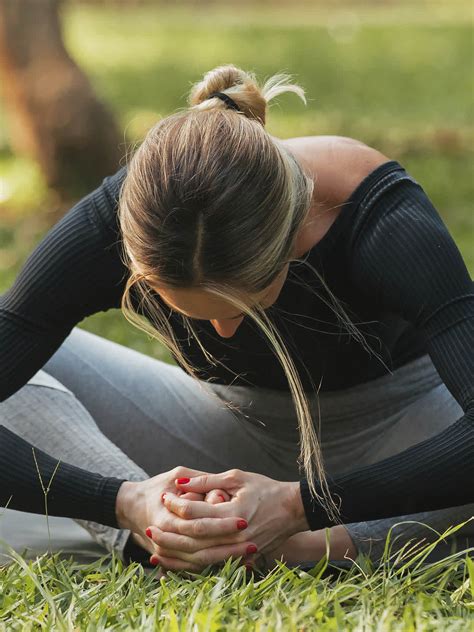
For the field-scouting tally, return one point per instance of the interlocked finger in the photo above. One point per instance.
(191, 496)
(189, 509)
(202, 528)
(186, 544)
(205, 557)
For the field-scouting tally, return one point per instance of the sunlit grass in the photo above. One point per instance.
(403, 592)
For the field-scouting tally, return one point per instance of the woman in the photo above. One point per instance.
(300, 283)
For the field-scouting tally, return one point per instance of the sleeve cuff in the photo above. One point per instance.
(315, 515)
(108, 493)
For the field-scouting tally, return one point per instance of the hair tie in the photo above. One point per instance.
(226, 98)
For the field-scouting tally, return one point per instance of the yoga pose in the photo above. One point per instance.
(321, 318)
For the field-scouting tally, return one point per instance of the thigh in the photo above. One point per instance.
(155, 412)
(430, 414)
(49, 416)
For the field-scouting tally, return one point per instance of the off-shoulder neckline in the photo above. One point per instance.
(352, 201)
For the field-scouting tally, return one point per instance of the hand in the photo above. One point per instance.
(306, 546)
(196, 554)
(214, 497)
(139, 506)
(273, 509)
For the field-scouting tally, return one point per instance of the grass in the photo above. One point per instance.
(402, 593)
(397, 76)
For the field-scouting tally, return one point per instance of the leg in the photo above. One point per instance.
(49, 416)
(157, 414)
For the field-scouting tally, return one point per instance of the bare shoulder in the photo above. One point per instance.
(338, 163)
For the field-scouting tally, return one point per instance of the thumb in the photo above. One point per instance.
(201, 484)
(191, 496)
(217, 496)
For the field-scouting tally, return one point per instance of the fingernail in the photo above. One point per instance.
(148, 532)
(155, 561)
(251, 549)
(163, 496)
(222, 497)
(242, 524)
(183, 481)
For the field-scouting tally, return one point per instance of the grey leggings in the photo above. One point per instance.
(112, 410)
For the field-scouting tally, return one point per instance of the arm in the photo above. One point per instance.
(73, 493)
(404, 255)
(75, 271)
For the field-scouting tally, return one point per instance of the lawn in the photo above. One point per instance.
(399, 78)
(402, 593)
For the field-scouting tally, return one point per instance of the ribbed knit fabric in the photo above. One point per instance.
(388, 258)
(435, 474)
(73, 492)
(404, 258)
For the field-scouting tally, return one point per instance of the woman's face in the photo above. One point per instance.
(202, 305)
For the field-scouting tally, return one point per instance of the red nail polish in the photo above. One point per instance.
(148, 532)
(155, 561)
(242, 524)
(183, 481)
(251, 549)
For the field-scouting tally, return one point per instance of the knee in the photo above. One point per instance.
(42, 410)
(46, 380)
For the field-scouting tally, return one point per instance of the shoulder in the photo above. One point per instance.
(106, 200)
(338, 164)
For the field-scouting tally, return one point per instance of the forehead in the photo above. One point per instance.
(200, 304)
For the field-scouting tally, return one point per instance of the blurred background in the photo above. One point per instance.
(82, 81)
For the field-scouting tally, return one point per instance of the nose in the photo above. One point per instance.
(226, 328)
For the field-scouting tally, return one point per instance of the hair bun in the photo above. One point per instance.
(243, 88)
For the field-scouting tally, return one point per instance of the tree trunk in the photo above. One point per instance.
(54, 114)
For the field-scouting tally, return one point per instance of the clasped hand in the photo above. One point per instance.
(200, 519)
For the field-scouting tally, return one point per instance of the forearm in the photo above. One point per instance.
(429, 476)
(311, 546)
(33, 481)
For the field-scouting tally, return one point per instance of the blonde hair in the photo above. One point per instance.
(203, 181)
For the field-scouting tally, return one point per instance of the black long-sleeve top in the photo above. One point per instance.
(388, 257)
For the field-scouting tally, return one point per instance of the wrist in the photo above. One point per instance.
(124, 504)
(295, 507)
